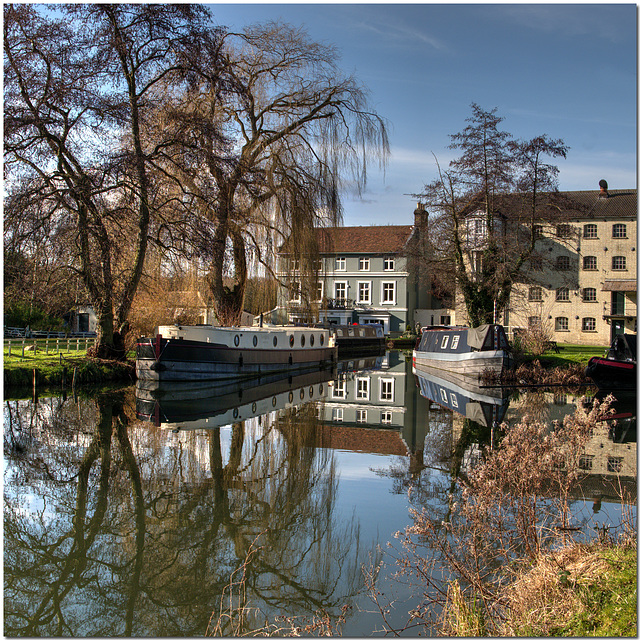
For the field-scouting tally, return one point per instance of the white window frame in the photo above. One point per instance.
(384, 393)
(341, 264)
(386, 417)
(320, 291)
(364, 264)
(362, 392)
(389, 264)
(361, 416)
(395, 292)
(369, 287)
(339, 389)
(346, 289)
(337, 415)
(296, 287)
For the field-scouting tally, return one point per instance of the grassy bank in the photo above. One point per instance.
(60, 370)
(582, 590)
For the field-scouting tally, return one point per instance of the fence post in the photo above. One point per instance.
(9, 348)
(23, 347)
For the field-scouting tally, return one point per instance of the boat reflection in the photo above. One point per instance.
(486, 406)
(181, 405)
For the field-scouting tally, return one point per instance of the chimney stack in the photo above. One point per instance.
(603, 189)
(421, 216)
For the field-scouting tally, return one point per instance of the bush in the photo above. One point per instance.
(22, 314)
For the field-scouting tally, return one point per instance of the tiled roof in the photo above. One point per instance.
(620, 203)
(386, 239)
(569, 205)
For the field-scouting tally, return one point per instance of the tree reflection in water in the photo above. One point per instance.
(114, 527)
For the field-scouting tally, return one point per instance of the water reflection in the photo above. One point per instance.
(127, 512)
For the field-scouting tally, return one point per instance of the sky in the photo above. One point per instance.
(565, 70)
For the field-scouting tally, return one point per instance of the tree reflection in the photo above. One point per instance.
(116, 527)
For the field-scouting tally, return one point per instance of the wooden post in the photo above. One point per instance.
(9, 349)
(73, 381)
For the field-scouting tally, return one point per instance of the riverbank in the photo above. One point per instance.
(580, 590)
(55, 371)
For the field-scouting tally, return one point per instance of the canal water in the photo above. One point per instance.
(158, 511)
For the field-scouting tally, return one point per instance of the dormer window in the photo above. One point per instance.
(364, 264)
(341, 264)
(389, 264)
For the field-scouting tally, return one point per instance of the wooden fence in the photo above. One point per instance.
(18, 346)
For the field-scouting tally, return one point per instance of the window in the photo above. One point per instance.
(445, 321)
(295, 291)
(338, 414)
(364, 264)
(535, 294)
(562, 294)
(589, 294)
(563, 230)
(364, 292)
(614, 464)
(339, 388)
(389, 264)
(562, 324)
(563, 263)
(388, 293)
(385, 417)
(294, 264)
(590, 231)
(476, 261)
(588, 324)
(617, 303)
(536, 263)
(619, 231)
(619, 263)
(320, 291)
(341, 264)
(537, 231)
(361, 415)
(362, 388)
(589, 263)
(340, 289)
(534, 322)
(387, 389)
(586, 462)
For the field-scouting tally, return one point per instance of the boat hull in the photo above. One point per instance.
(223, 354)
(473, 365)
(612, 374)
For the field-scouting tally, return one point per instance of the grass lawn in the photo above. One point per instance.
(569, 354)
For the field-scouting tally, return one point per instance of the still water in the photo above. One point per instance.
(138, 511)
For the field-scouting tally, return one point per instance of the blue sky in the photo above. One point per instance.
(567, 70)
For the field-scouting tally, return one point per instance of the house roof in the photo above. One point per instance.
(567, 205)
(385, 239)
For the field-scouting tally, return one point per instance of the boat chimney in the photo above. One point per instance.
(604, 193)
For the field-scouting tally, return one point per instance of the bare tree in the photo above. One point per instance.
(78, 88)
(486, 207)
(265, 158)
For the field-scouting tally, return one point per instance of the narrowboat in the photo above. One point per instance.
(482, 352)
(617, 369)
(358, 338)
(204, 352)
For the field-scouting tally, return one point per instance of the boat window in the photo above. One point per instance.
(302, 340)
(275, 340)
(321, 339)
(291, 340)
(311, 340)
(255, 341)
(454, 342)
(236, 340)
(445, 342)
(443, 395)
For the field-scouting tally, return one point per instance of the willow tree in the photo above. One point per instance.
(264, 157)
(80, 81)
(484, 210)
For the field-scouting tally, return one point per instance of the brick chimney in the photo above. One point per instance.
(603, 189)
(421, 217)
